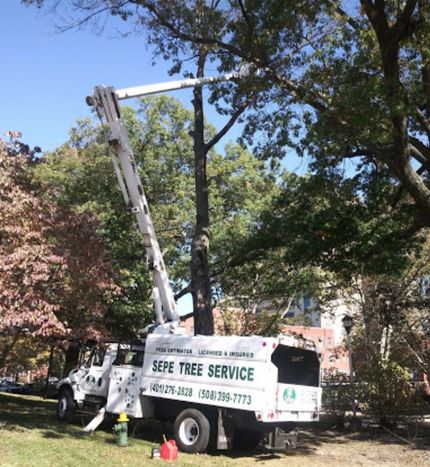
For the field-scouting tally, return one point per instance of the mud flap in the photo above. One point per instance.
(224, 432)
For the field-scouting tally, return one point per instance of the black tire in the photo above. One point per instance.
(192, 431)
(65, 406)
(244, 440)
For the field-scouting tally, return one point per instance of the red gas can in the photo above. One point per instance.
(169, 450)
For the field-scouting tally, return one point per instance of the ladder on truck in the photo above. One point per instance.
(105, 100)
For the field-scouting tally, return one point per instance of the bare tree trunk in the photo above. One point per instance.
(200, 279)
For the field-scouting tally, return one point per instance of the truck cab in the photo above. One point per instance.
(86, 387)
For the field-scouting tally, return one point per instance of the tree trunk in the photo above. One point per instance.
(48, 374)
(200, 279)
(370, 326)
(6, 349)
(72, 359)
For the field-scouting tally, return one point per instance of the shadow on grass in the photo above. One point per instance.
(149, 430)
(412, 435)
(306, 446)
(411, 432)
(262, 454)
(19, 413)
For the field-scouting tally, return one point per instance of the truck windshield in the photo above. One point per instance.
(95, 358)
(129, 357)
(296, 366)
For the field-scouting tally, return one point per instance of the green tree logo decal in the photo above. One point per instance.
(289, 395)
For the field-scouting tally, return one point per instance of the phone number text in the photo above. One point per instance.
(171, 389)
(224, 396)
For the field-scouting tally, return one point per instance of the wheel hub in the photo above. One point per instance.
(189, 431)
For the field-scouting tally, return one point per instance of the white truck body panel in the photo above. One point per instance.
(230, 372)
(123, 395)
(224, 371)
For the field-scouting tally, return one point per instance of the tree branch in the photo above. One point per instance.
(315, 101)
(186, 290)
(420, 151)
(95, 12)
(403, 20)
(186, 36)
(244, 13)
(349, 19)
(226, 128)
(185, 317)
(424, 121)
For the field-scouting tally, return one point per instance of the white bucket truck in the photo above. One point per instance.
(216, 390)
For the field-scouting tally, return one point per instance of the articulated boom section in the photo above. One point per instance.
(106, 103)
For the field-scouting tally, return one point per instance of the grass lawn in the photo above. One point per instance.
(31, 436)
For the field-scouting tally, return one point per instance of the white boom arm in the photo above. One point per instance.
(105, 99)
(157, 88)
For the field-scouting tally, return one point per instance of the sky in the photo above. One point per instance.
(46, 75)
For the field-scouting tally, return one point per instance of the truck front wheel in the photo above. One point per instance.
(65, 406)
(192, 431)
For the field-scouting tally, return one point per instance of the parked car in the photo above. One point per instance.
(26, 388)
(6, 385)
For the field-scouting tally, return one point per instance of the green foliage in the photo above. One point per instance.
(56, 280)
(242, 195)
(80, 174)
(385, 389)
(341, 225)
(337, 395)
(243, 322)
(240, 188)
(25, 353)
(337, 82)
(397, 308)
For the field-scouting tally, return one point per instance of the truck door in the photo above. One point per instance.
(125, 381)
(96, 381)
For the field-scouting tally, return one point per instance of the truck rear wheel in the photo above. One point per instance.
(65, 406)
(192, 431)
